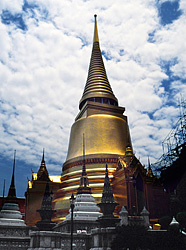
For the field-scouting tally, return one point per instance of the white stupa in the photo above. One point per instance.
(85, 208)
(10, 214)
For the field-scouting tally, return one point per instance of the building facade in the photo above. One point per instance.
(35, 191)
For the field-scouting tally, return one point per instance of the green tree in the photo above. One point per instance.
(181, 218)
(139, 238)
(132, 237)
(165, 221)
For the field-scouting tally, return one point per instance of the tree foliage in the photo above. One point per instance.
(165, 221)
(181, 218)
(132, 237)
(171, 176)
(139, 238)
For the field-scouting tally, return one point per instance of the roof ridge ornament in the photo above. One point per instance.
(42, 173)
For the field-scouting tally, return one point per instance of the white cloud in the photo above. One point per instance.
(13, 6)
(182, 5)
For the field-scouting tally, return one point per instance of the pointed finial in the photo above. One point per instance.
(12, 191)
(148, 162)
(42, 173)
(4, 189)
(84, 169)
(3, 193)
(72, 197)
(96, 39)
(84, 185)
(107, 194)
(14, 161)
(84, 179)
(43, 158)
(150, 173)
(106, 171)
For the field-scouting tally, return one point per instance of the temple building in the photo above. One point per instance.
(107, 179)
(107, 140)
(35, 191)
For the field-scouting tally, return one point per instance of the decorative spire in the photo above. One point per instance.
(84, 189)
(96, 39)
(148, 162)
(12, 190)
(128, 154)
(107, 195)
(97, 87)
(46, 211)
(42, 173)
(150, 173)
(84, 173)
(43, 158)
(107, 204)
(3, 193)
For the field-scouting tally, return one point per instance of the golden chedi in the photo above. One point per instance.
(106, 133)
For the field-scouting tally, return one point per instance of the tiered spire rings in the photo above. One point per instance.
(97, 87)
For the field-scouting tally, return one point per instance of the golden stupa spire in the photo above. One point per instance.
(97, 88)
(96, 39)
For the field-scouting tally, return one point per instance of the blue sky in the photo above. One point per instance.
(44, 59)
